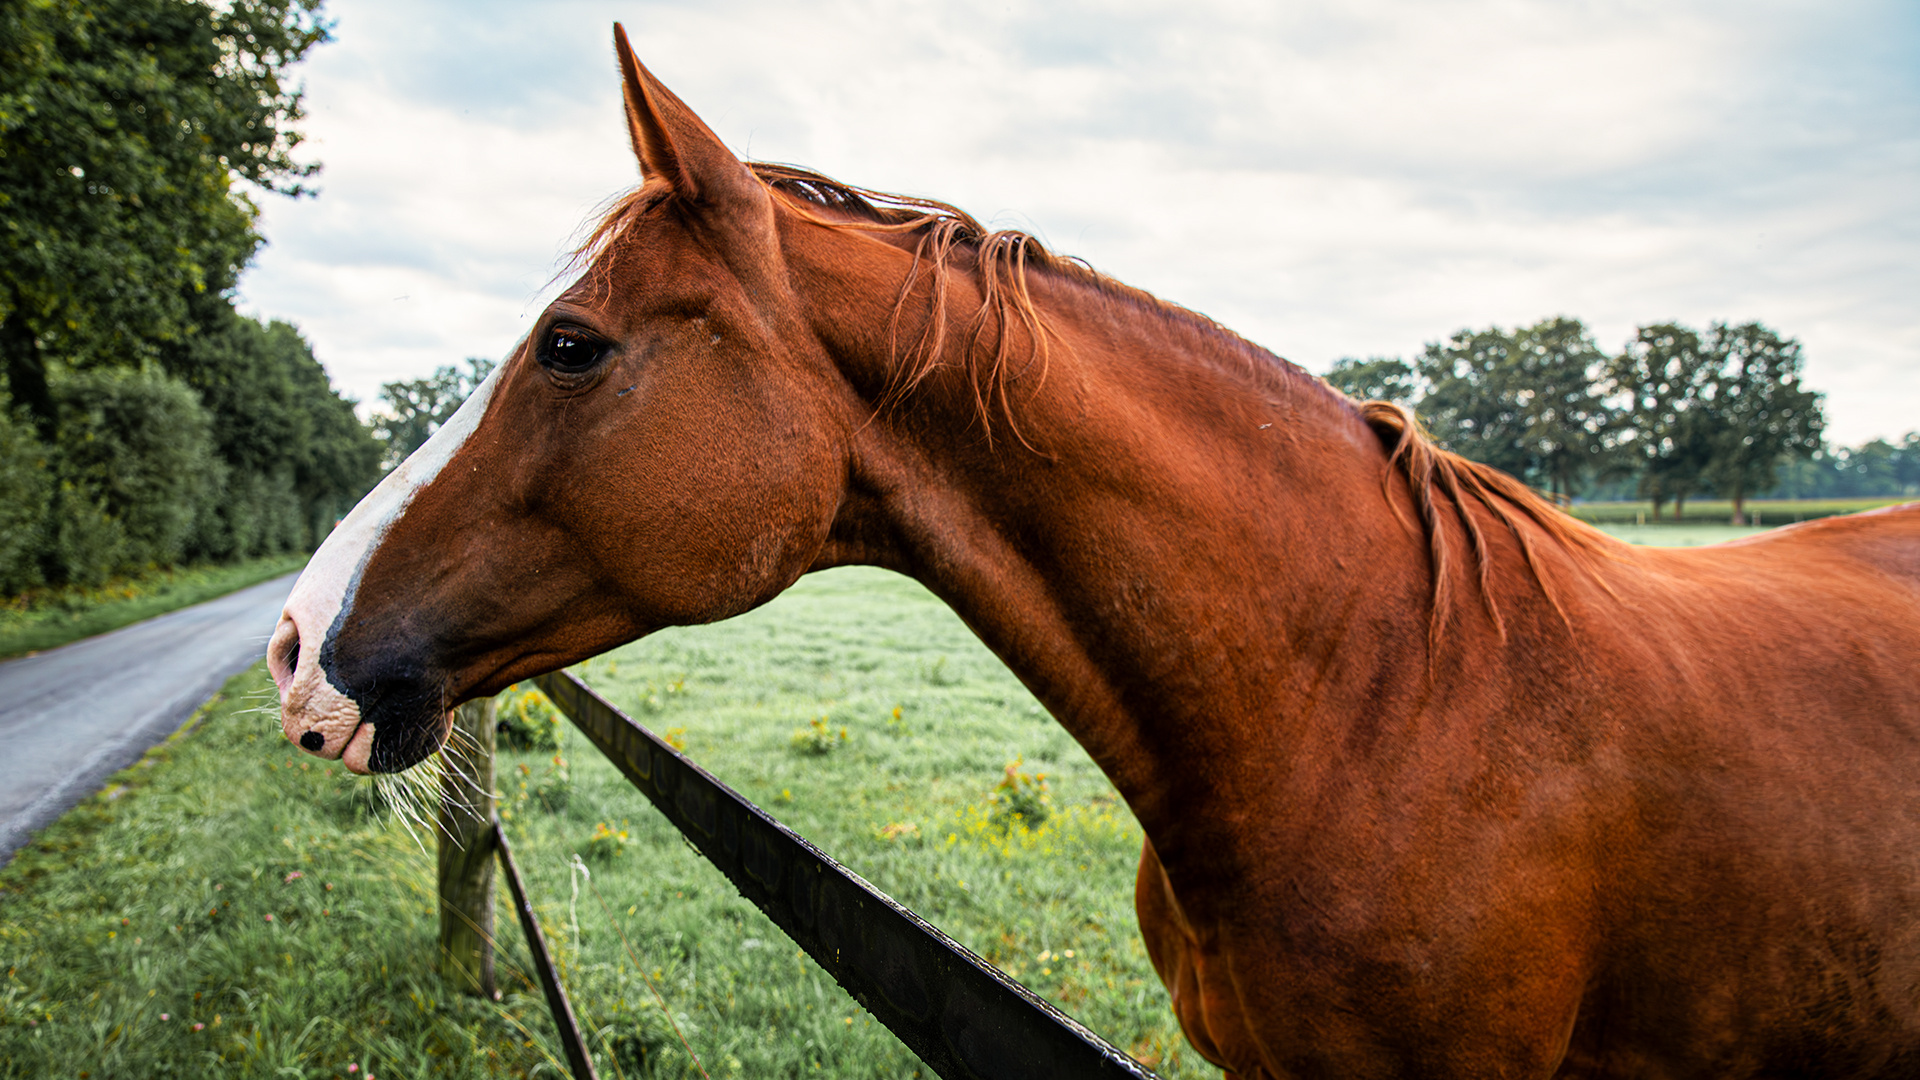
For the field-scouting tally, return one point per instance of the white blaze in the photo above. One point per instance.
(308, 703)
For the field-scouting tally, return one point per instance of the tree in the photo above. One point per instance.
(124, 125)
(1759, 413)
(1377, 378)
(135, 469)
(1526, 401)
(26, 482)
(298, 453)
(416, 408)
(1662, 377)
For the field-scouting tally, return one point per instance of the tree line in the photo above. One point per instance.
(143, 420)
(1676, 412)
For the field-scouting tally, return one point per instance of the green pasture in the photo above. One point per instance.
(856, 708)
(1687, 535)
(49, 617)
(1766, 512)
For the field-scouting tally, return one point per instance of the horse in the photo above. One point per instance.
(1435, 780)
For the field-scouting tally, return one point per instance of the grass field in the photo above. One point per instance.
(195, 850)
(47, 618)
(1688, 535)
(1720, 511)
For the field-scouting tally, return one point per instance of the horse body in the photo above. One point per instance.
(1435, 781)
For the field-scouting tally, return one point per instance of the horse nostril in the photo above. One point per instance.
(290, 652)
(312, 741)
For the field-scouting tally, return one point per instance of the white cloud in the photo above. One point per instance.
(1329, 183)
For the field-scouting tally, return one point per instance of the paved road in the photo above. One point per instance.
(73, 716)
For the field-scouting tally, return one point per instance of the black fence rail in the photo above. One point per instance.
(578, 1060)
(964, 1017)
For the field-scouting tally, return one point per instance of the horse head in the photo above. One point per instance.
(667, 446)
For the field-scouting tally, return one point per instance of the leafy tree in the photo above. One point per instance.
(1524, 401)
(26, 482)
(135, 468)
(1663, 376)
(124, 125)
(1377, 378)
(1759, 413)
(298, 453)
(417, 407)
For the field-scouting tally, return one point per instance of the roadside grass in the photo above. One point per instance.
(222, 909)
(41, 619)
(1720, 511)
(913, 797)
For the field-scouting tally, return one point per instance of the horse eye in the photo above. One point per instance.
(571, 352)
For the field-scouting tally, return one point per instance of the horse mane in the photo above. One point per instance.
(1433, 473)
(942, 234)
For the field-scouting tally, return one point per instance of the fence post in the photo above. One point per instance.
(466, 850)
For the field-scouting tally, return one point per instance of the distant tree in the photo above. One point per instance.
(1759, 413)
(298, 454)
(417, 407)
(1526, 401)
(124, 126)
(1377, 378)
(26, 482)
(135, 471)
(1906, 464)
(1662, 378)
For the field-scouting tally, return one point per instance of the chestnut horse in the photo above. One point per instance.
(1435, 780)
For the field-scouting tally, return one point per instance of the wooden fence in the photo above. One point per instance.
(964, 1017)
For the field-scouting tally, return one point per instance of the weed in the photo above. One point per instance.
(607, 843)
(528, 721)
(555, 789)
(818, 738)
(1020, 798)
(899, 830)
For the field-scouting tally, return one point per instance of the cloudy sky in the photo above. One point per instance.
(1331, 180)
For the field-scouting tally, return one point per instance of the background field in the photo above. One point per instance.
(193, 852)
(1720, 511)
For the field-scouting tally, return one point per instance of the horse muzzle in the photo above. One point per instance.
(397, 721)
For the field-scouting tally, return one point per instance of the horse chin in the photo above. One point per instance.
(358, 755)
(396, 746)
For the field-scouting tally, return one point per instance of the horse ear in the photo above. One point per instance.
(673, 145)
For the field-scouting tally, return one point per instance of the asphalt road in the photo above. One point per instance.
(73, 716)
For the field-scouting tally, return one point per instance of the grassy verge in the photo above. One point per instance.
(196, 849)
(1720, 511)
(221, 909)
(46, 618)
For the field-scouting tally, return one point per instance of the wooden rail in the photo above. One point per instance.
(963, 1016)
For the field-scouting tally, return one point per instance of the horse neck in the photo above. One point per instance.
(1193, 562)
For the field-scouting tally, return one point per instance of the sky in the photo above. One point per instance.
(1330, 180)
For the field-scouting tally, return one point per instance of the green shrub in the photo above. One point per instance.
(528, 721)
(136, 466)
(1020, 798)
(607, 843)
(26, 483)
(818, 738)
